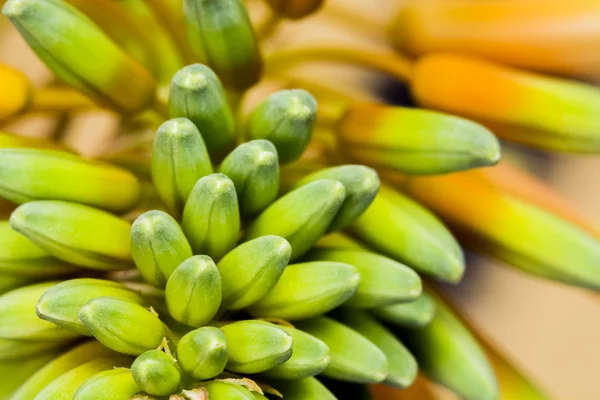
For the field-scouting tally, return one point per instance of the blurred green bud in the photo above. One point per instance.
(211, 219)
(38, 174)
(179, 159)
(286, 119)
(307, 290)
(193, 291)
(256, 346)
(310, 357)
(302, 216)
(254, 169)
(382, 280)
(361, 184)
(415, 314)
(411, 235)
(113, 384)
(19, 256)
(18, 319)
(295, 9)
(354, 358)
(158, 246)
(225, 390)
(197, 94)
(156, 373)
(202, 353)
(75, 233)
(252, 269)
(15, 350)
(66, 385)
(61, 303)
(10, 282)
(85, 57)
(122, 325)
(221, 34)
(402, 366)
(304, 389)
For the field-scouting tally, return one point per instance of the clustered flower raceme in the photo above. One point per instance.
(238, 279)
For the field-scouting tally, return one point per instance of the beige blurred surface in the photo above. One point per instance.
(551, 330)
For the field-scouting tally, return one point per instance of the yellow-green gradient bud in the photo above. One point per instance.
(179, 159)
(383, 281)
(302, 216)
(415, 141)
(254, 169)
(20, 257)
(361, 184)
(256, 346)
(221, 34)
(202, 353)
(286, 118)
(308, 290)
(226, 390)
(354, 358)
(310, 357)
(122, 325)
(16, 91)
(295, 9)
(61, 303)
(38, 174)
(78, 234)
(304, 389)
(112, 384)
(156, 373)
(18, 319)
(158, 246)
(84, 57)
(211, 218)
(193, 292)
(252, 269)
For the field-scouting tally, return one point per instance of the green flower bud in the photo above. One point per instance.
(310, 357)
(38, 174)
(402, 366)
(179, 159)
(61, 303)
(59, 365)
(10, 282)
(286, 119)
(197, 94)
(158, 246)
(221, 34)
(19, 256)
(382, 280)
(295, 9)
(361, 184)
(193, 291)
(307, 290)
(114, 384)
(202, 353)
(14, 374)
(211, 219)
(18, 350)
(256, 346)
(225, 390)
(85, 57)
(302, 216)
(304, 389)
(250, 271)
(75, 233)
(354, 358)
(415, 314)
(254, 169)
(66, 385)
(156, 373)
(19, 321)
(122, 325)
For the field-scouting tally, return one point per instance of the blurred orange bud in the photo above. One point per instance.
(554, 36)
(15, 91)
(543, 112)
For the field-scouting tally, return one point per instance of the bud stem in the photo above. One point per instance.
(268, 26)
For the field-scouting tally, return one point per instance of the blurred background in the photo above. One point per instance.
(551, 330)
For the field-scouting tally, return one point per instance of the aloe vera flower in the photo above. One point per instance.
(248, 231)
